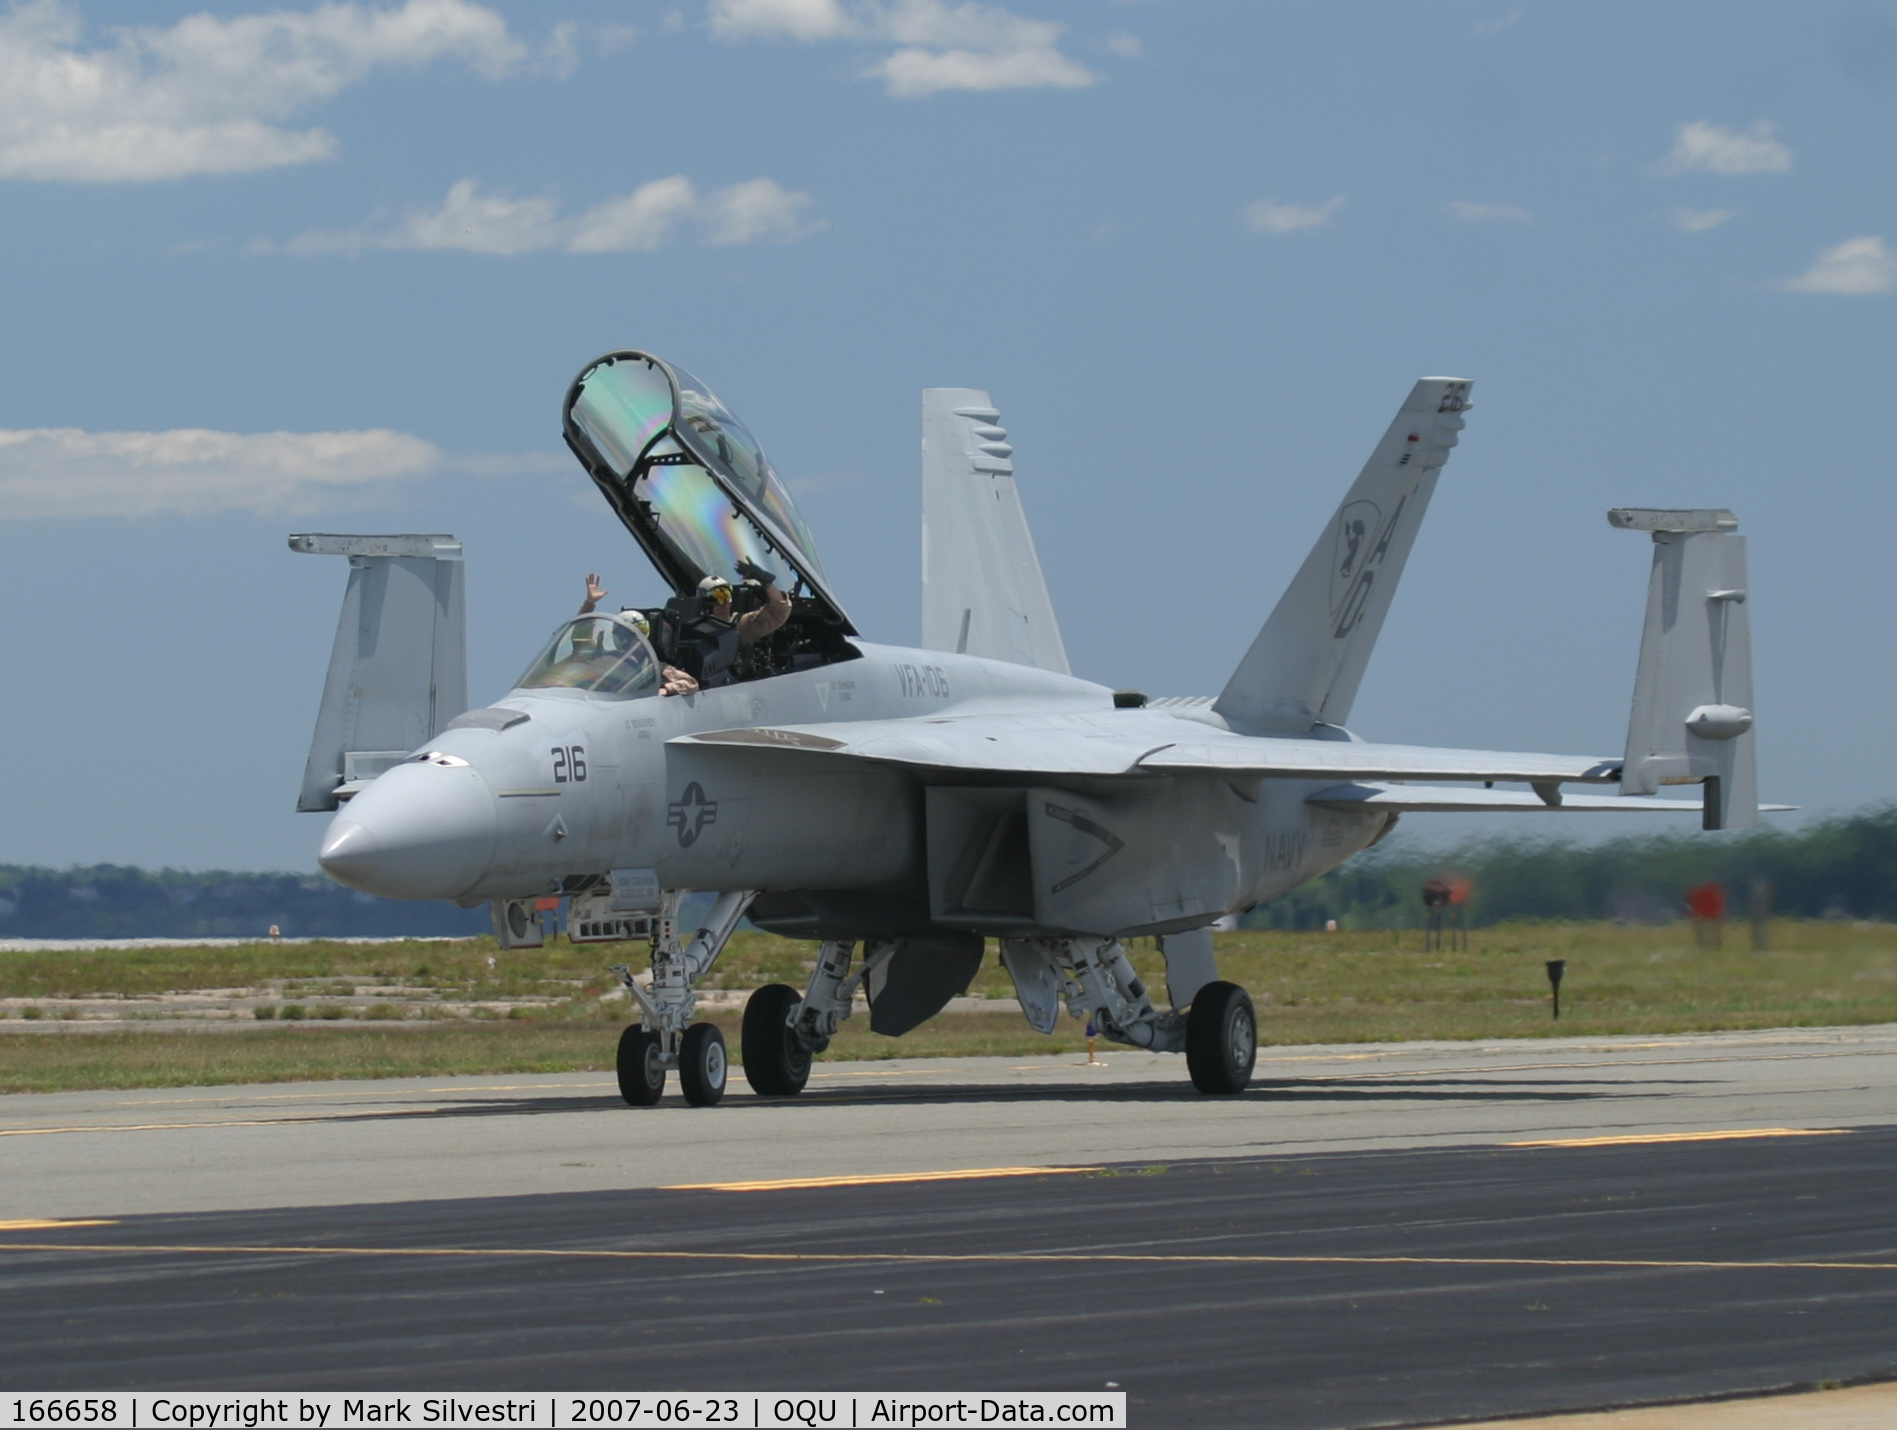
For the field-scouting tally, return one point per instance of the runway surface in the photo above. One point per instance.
(1369, 1237)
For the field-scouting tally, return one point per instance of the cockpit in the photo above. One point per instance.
(694, 487)
(602, 654)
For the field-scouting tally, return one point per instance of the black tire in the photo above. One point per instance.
(702, 1065)
(641, 1067)
(776, 1063)
(1221, 1038)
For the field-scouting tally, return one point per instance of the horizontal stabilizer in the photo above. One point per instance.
(1306, 664)
(982, 589)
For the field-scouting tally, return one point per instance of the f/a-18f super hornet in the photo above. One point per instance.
(899, 807)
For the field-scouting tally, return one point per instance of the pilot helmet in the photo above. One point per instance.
(715, 588)
(637, 620)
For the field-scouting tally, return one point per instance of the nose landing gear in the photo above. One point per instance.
(666, 1036)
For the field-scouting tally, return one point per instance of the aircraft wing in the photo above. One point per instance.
(1495, 801)
(1421, 798)
(1129, 743)
(1076, 744)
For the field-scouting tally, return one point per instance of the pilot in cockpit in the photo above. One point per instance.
(753, 626)
(672, 680)
(714, 640)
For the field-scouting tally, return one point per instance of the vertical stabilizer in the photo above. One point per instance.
(1306, 664)
(398, 672)
(1692, 711)
(982, 589)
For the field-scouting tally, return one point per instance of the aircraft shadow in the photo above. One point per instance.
(1168, 1090)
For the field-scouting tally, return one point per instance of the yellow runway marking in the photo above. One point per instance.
(874, 1179)
(54, 1223)
(895, 1258)
(1632, 1138)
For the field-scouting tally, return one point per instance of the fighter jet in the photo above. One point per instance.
(901, 807)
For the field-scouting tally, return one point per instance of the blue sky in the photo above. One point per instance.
(331, 268)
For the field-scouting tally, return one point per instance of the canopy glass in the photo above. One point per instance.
(603, 654)
(686, 476)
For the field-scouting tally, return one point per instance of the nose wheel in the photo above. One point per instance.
(702, 1065)
(641, 1066)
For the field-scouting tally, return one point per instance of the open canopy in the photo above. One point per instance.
(687, 479)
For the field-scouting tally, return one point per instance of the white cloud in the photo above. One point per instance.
(1716, 149)
(1126, 46)
(1858, 268)
(780, 19)
(479, 223)
(67, 472)
(756, 211)
(1265, 216)
(208, 94)
(640, 220)
(940, 46)
(1699, 220)
(561, 54)
(1486, 213)
(911, 73)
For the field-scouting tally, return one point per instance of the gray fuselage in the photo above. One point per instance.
(506, 807)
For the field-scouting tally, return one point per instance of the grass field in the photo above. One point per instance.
(440, 1008)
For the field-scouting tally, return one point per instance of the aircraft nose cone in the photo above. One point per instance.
(417, 832)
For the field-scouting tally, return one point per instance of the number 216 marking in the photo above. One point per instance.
(569, 764)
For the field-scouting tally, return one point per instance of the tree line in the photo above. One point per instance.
(115, 901)
(1843, 867)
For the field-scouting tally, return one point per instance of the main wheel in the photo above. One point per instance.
(776, 1062)
(641, 1067)
(1221, 1038)
(702, 1067)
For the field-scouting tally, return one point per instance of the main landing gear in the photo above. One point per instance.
(665, 1036)
(783, 1033)
(1218, 1031)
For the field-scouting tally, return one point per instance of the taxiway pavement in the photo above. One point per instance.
(1374, 1235)
(414, 1139)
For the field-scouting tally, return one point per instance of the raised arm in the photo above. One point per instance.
(595, 593)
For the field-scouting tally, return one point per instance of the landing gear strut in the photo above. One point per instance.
(666, 1036)
(1218, 1032)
